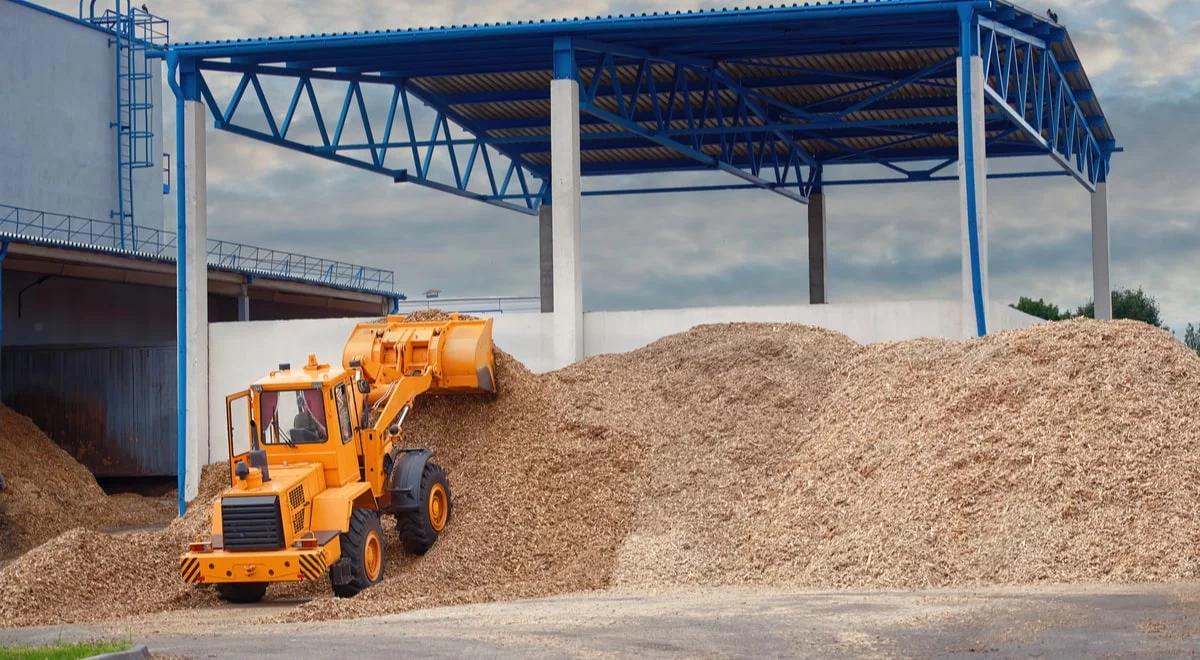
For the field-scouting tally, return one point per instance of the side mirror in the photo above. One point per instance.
(364, 387)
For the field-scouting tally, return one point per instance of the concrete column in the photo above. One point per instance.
(1101, 286)
(972, 186)
(546, 256)
(816, 248)
(565, 226)
(243, 302)
(196, 295)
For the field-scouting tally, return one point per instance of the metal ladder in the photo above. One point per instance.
(135, 32)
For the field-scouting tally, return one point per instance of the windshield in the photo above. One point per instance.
(293, 417)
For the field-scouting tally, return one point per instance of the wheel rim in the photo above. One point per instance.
(439, 507)
(373, 556)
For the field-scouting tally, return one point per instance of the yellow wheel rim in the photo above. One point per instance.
(439, 507)
(373, 556)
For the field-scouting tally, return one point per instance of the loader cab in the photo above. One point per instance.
(297, 416)
(293, 417)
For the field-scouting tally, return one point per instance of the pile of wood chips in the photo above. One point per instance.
(766, 454)
(49, 491)
(84, 575)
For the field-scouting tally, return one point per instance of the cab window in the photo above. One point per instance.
(342, 401)
(293, 417)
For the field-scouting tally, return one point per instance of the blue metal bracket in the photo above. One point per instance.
(1025, 80)
(427, 146)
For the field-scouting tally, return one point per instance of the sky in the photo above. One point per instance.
(891, 242)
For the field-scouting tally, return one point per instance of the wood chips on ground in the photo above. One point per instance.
(86, 575)
(48, 491)
(765, 454)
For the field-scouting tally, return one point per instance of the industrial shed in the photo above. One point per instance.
(789, 99)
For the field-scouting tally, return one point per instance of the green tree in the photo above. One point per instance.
(1039, 308)
(1191, 337)
(1129, 304)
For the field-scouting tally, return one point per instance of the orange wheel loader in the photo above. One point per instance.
(326, 459)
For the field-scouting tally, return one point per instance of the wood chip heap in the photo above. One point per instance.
(86, 575)
(764, 454)
(48, 491)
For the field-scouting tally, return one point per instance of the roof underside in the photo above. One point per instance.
(494, 80)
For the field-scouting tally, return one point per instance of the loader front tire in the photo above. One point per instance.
(241, 592)
(361, 565)
(420, 529)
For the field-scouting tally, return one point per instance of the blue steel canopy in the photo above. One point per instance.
(773, 95)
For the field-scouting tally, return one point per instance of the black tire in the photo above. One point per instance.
(362, 546)
(420, 529)
(242, 592)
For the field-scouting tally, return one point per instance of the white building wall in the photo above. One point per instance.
(241, 353)
(57, 100)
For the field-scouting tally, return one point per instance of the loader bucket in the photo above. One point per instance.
(468, 360)
(458, 352)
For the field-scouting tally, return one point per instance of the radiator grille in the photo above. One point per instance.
(251, 523)
(296, 497)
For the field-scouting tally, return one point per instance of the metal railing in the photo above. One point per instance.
(141, 24)
(474, 305)
(19, 223)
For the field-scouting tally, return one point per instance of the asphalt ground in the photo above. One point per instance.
(1118, 621)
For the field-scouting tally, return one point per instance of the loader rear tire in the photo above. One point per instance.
(362, 555)
(242, 592)
(420, 529)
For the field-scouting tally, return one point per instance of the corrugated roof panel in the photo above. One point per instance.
(494, 79)
(559, 23)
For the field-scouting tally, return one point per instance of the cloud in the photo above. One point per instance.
(1143, 44)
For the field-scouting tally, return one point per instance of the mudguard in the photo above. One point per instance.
(404, 483)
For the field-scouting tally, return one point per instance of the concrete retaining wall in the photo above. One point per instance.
(240, 353)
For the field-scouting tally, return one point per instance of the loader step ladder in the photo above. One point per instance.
(135, 32)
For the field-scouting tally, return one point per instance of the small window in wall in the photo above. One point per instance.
(343, 412)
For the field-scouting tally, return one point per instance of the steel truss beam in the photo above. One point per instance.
(772, 160)
(608, 192)
(1029, 85)
(504, 180)
(694, 107)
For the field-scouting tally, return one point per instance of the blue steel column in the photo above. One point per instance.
(3, 254)
(972, 175)
(180, 282)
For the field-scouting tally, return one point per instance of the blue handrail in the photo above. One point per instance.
(43, 226)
